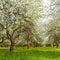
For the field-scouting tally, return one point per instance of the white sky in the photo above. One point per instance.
(45, 15)
(46, 10)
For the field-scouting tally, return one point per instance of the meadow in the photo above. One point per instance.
(39, 53)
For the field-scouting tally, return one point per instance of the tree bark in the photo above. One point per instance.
(2, 43)
(34, 45)
(12, 45)
(28, 40)
(28, 44)
(56, 45)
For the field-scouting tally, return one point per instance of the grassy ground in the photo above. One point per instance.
(42, 53)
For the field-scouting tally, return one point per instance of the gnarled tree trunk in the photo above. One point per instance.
(12, 45)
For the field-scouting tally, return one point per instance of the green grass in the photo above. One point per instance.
(41, 53)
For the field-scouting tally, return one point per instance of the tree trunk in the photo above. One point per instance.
(56, 45)
(28, 40)
(11, 46)
(2, 43)
(34, 44)
(28, 44)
